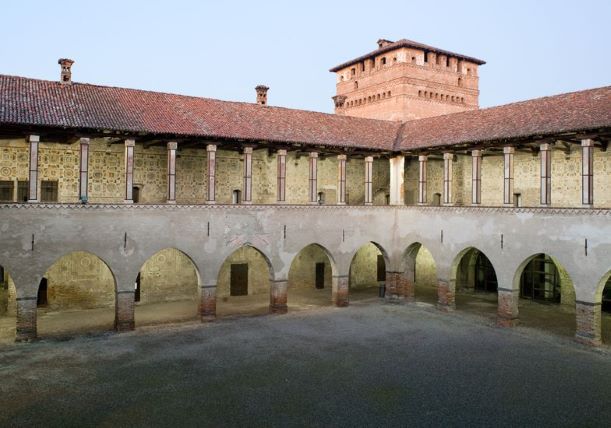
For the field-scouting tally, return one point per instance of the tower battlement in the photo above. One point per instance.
(407, 80)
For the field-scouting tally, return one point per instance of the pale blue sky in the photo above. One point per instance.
(223, 49)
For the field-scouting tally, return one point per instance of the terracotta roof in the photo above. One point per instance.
(25, 101)
(31, 102)
(575, 111)
(404, 43)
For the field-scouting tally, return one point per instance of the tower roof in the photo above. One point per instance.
(404, 43)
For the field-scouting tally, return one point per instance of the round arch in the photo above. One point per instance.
(244, 282)
(541, 278)
(310, 277)
(367, 270)
(603, 296)
(76, 294)
(167, 288)
(419, 272)
(8, 305)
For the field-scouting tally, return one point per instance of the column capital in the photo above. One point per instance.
(172, 145)
(448, 156)
(509, 150)
(422, 158)
(587, 143)
(545, 147)
(369, 159)
(313, 154)
(130, 143)
(84, 140)
(34, 138)
(211, 148)
(248, 149)
(281, 152)
(341, 157)
(476, 153)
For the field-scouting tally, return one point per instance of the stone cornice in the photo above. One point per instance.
(441, 209)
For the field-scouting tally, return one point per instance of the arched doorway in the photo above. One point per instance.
(547, 296)
(310, 278)
(76, 295)
(420, 272)
(605, 307)
(7, 306)
(166, 289)
(475, 282)
(367, 277)
(243, 285)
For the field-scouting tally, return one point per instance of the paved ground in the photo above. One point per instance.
(366, 365)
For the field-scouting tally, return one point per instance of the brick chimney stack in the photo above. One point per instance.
(261, 94)
(66, 66)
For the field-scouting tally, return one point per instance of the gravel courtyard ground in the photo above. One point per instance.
(370, 364)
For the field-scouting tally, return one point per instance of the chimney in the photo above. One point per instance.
(66, 74)
(383, 42)
(261, 94)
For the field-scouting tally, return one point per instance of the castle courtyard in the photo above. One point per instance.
(369, 364)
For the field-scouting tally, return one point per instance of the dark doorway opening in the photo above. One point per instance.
(41, 299)
(320, 275)
(136, 194)
(606, 303)
(540, 280)
(239, 279)
(381, 271)
(137, 288)
(485, 277)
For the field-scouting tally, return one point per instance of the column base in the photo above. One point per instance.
(588, 317)
(445, 297)
(26, 330)
(340, 203)
(207, 306)
(368, 203)
(278, 297)
(33, 201)
(340, 291)
(170, 202)
(313, 203)
(128, 201)
(246, 203)
(210, 202)
(124, 311)
(506, 322)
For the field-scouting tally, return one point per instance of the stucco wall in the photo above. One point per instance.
(302, 273)
(364, 267)
(258, 272)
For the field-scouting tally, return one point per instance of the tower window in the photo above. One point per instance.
(384, 60)
(414, 59)
(460, 81)
(356, 85)
(353, 71)
(362, 66)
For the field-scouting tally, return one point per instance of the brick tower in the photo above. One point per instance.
(406, 80)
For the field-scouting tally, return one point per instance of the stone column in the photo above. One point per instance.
(448, 158)
(422, 159)
(341, 179)
(84, 170)
(247, 191)
(313, 186)
(124, 310)
(340, 290)
(445, 296)
(26, 319)
(278, 297)
(476, 177)
(33, 175)
(587, 173)
(172, 172)
(507, 307)
(129, 171)
(397, 176)
(369, 180)
(546, 174)
(281, 186)
(588, 316)
(207, 305)
(211, 154)
(508, 153)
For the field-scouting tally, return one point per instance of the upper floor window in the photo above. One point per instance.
(383, 60)
(352, 71)
(49, 191)
(6, 191)
(362, 66)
